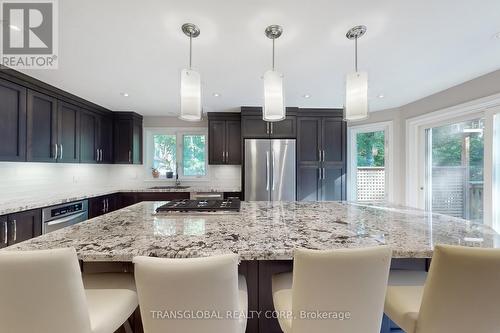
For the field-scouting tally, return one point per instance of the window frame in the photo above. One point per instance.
(179, 133)
(487, 108)
(388, 128)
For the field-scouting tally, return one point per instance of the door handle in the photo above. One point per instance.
(107, 205)
(5, 233)
(67, 219)
(323, 155)
(271, 128)
(267, 128)
(103, 205)
(56, 153)
(61, 154)
(15, 230)
(101, 155)
(267, 171)
(130, 156)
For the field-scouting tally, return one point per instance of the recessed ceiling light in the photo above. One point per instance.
(306, 96)
(15, 27)
(124, 94)
(381, 96)
(216, 94)
(497, 35)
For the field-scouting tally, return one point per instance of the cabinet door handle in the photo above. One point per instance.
(271, 125)
(107, 205)
(267, 128)
(130, 156)
(5, 233)
(323, 155)
(103, 205)
(61, 155)
(15, 230)
(100, 158)
(56, 153)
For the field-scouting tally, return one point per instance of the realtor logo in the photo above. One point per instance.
(29, 34)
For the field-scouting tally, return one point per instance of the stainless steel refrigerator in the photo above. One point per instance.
(270, 170)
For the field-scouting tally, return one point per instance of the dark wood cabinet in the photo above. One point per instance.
(12, 122)
(41, 128)
(68, 133)
(321, 156)
(127, 138)
(105, 139)
(102, 205)
(88, 137)
(23, 226)
(4, 231)
(254, 127)
(224, 138)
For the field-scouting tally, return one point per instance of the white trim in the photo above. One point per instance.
(179, 132)
(415, 147)
(352, 131)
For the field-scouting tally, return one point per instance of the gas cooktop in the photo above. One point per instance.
(200, 206)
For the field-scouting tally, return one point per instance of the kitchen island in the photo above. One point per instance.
(264, 234)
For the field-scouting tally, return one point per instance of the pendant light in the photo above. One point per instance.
(190, 81)
(356, 100)
(274, 104)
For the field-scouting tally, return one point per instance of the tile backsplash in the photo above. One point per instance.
(26, 180)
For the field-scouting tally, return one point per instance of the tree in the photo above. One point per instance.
(371, 149)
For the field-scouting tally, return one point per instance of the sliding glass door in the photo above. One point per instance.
(455, 169)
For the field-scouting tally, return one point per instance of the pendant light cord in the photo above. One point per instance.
(273, 53)
(356, 54)
(190, 50)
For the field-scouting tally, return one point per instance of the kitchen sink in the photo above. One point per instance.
(170, 187)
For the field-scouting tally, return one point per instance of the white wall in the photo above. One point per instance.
(482, 86)
(28, 180)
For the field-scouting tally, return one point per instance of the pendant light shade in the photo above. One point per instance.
(356, 99)
(190, 81)
(274, 103)
(190, 95)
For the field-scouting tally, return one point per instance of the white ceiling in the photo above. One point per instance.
(412, 49)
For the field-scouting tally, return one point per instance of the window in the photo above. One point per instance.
(369, 167)
(455, 169)
(177, 150)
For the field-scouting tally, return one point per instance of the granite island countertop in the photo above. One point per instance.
(262, 231)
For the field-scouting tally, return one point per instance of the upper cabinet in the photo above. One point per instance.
(254, 127)
(42, 144)
(12, 122)
(127, 138)
(224, 138)
(68, 132)
(40, 123)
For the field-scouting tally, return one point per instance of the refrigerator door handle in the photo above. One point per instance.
(267, 171)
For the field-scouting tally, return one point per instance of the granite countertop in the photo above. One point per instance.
(21, 204)
(262, 231)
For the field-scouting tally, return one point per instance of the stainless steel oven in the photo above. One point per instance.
(60, 216)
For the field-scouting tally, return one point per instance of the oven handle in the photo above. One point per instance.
(66, 219)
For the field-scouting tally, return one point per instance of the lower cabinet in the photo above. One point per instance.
(102, 205)
(18, 227)
(130, 198)
(316, 183)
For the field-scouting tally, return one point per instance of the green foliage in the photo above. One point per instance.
(448, 143)
(371, 149)
(194, 155)
(165, 149)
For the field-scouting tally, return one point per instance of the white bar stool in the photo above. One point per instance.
(175, 293)
(43, 291)
(461, 294)
(333, 284)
